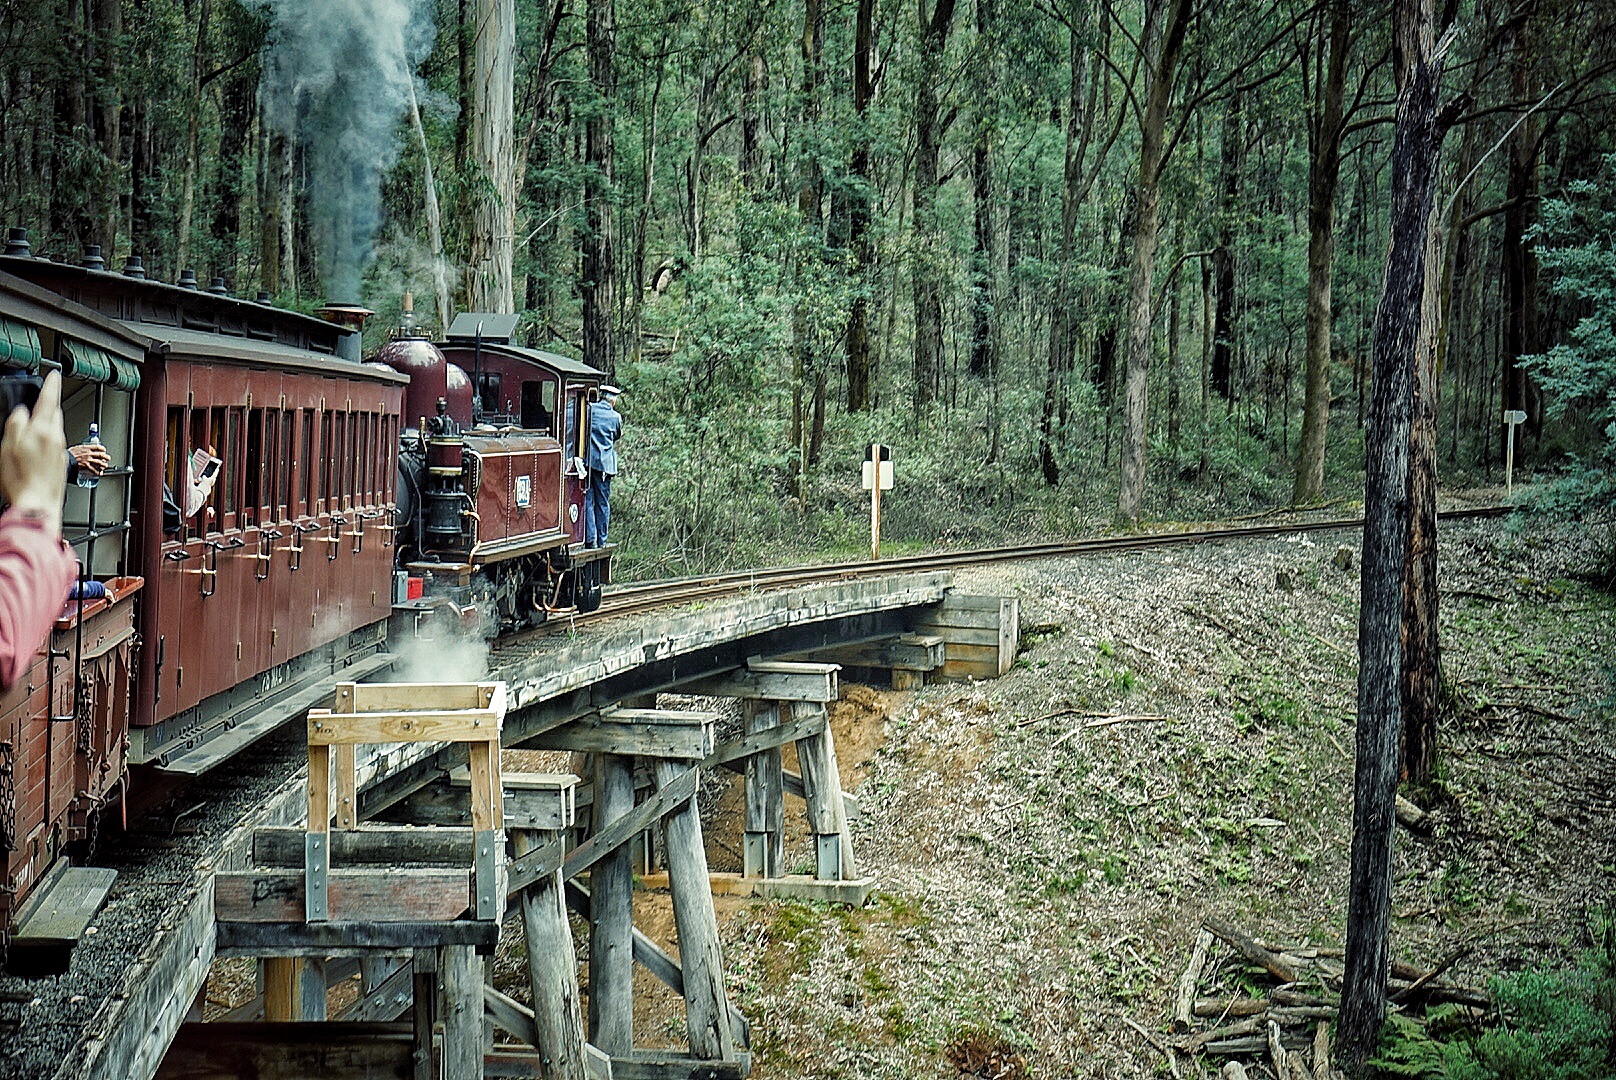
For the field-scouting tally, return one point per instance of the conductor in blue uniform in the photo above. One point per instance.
(605, 428)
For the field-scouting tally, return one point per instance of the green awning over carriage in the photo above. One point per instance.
(97, 365)
(19, 345)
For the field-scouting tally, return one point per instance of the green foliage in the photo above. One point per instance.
(1556, 1026)
(1578, 250)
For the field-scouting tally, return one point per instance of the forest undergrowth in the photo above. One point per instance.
(1174, 745)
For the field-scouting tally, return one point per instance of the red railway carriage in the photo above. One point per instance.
(231, 606)
(63, 726)
(279, 582)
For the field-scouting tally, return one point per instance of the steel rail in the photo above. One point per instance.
(648, 596)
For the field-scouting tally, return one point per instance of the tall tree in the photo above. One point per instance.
(490, 248)
(1324, 127)
(598, 286)
(984, 299)
(859, 198)
(1166, 23)
(930, 127)
(1399, 335)
(1224, 311)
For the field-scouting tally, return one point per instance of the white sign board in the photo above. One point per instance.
(886, 475)
(1514, 416)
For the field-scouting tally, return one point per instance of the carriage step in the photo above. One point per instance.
(57, 919)
(219, 748)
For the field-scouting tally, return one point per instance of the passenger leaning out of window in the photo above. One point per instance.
(36, 567)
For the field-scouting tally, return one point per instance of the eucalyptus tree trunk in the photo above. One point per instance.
(490, 249)
(182, 254)
(1324, 174)
(434, 220)
(1079, 112)
(809, 192)
(1400, 334)
(857, 341)
(109, 107)
(927, 268)
(598, 287)
(984, 298)
(272, 156)
(1168, 22)
(1519, 260)
(1421, 660)
(1223, 259)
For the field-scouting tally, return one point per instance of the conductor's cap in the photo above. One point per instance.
(609, 390)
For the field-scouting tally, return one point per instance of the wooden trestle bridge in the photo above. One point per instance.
(399, 862)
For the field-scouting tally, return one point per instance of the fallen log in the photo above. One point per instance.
(1411, 817)
(1194, 1043)
(1279, 966)
(1230, 1006)
(1188, 981)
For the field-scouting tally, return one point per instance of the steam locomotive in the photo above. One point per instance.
(436, 485)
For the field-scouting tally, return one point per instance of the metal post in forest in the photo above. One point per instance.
(877, 478)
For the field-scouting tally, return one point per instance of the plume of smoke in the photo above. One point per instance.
(338, 79)
(445, 658)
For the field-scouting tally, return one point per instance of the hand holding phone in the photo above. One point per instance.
(32, 453)
(204, 470)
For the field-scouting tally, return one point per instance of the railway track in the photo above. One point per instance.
(649, 596)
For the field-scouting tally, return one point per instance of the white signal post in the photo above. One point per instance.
(1512, 417)
(877, 478)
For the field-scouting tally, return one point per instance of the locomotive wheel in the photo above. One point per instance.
(588, 588)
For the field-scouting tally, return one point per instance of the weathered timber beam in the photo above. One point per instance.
(791, 782)
(349, 939)
(659, 962)
(406, 697)
(439, 725)
(280, 1051)
(549, 858)
(282, 846)
(379, 896)
(767, 739)
(600, 735)
(909, 652)
(773, 680)
(388, 1001)
(666, 1065)
(519, 1062)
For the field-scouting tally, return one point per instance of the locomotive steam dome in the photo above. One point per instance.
(459, 395)
(429, 377)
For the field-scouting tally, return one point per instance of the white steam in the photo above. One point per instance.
(338, 79)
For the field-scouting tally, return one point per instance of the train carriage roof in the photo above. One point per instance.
(576, 369)
(201, 345)
(87, 344)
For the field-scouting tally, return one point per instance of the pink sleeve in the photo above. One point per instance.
(36, 572)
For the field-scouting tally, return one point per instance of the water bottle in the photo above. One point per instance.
(88, 479)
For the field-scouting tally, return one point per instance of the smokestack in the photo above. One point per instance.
(187, 279)
(352, 317)
(133, 267)
(92, 258)
(17, 243)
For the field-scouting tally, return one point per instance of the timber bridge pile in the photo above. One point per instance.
(399, 864)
